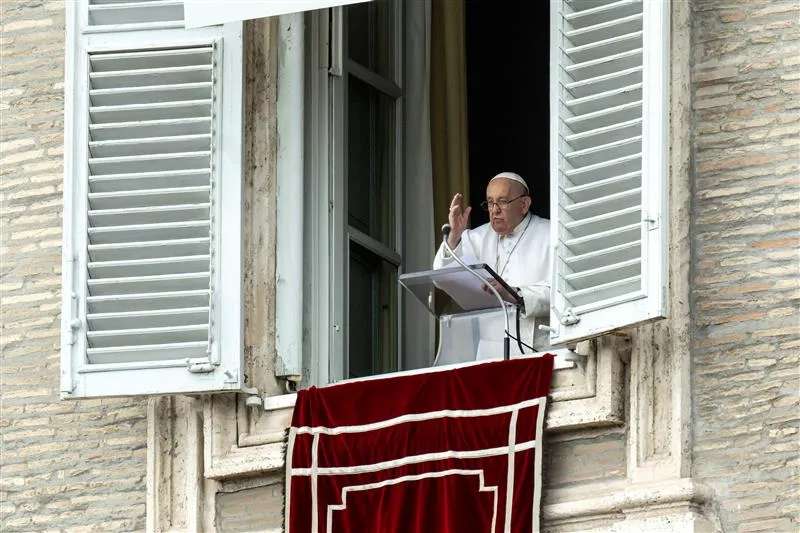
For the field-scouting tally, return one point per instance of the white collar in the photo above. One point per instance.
(518, 229)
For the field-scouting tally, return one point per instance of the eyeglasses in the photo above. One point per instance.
(502, 204)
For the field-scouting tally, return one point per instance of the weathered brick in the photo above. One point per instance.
(714, 102)
(32, 162)
(747, 259)
(715, 75)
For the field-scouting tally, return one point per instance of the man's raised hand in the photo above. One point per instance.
(458, 218)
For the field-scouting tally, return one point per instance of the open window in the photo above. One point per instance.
(404, 104)
(366, 103)
(591, 144)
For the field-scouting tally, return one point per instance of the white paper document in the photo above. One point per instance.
(466, 290)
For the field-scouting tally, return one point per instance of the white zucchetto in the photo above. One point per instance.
(513, 177)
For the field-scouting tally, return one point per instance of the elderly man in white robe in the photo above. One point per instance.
(516, 245)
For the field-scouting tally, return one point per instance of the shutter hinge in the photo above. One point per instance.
(569, 318)
(75, 323)
(652, 221)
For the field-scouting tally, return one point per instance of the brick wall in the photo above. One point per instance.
(746, 83)
(64, 466)
(251, 509)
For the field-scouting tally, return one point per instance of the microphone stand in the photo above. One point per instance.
(506, 341)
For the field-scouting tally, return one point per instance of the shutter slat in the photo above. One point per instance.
(148, 353)
(615, 184)
(605, 274)
(148, 250)
(150, 94)
(604, 65)
(605, 117)
(605, 47)
(604, 239)
(145, 215)
(134, 14)
(197, 316)
(149, 77)
(148, 284)
(604, 83)
(149, 267)
(605, 256)
(575, 102)
(616, 289)
(150, 146)
(145, 336)
(149, 163)
(149, 198)
(148, 232)
(593, 7)
(154, 58)
(611, 98)
(582, 35)
(613, 132)
(602, 204)
(152, 128)
(161, 301)
(154, 111)
(605, 221)
(600, 154)
(605, 169)
(193, 179)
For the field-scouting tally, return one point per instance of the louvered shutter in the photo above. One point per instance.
(127, 15)
(204, 13)
(609, 98)
(152, 292)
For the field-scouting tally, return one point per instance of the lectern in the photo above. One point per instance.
(472, 321)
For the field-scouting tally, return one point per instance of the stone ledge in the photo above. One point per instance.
(669, 506)
(247, 461)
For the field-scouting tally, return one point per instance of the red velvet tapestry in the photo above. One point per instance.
(444, 451)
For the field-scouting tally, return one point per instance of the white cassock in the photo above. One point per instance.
(523, 259)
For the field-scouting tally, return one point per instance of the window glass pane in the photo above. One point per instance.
(371, 162)
(372, 332)
(370, 31)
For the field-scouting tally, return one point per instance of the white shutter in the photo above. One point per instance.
(127, 15)
(609, 98)
(205, 13)
(152, 293)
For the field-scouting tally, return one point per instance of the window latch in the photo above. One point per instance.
(197, 367)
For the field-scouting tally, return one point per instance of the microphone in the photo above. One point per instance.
(446, 229)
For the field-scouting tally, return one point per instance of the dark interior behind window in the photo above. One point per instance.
(507, 93)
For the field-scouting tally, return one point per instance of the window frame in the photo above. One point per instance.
(326, 225)
(652, 307)
(342, 231)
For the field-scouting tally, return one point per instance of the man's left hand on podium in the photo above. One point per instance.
(500, 289)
